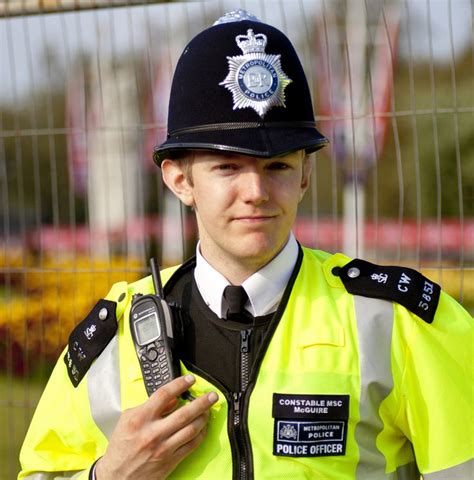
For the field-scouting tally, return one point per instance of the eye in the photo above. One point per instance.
(278, 165)
(227, 166)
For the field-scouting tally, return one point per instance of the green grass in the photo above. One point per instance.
(18, 399)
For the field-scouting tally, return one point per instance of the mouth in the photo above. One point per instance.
(255, 218)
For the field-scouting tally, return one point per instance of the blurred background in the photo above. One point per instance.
(83, 100)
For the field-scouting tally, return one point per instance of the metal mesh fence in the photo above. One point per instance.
(83, 100)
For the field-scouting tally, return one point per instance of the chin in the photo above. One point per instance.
(257, 251)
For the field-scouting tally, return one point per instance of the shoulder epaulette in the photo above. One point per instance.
(403, 285)
(89, 338)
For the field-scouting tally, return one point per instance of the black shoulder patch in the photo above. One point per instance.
(398, 284)
(89, 338)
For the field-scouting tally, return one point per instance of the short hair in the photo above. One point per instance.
(185, 158)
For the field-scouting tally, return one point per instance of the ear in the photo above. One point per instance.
(306, 175)
(177, 181)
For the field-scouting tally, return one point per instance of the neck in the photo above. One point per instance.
(236, 271)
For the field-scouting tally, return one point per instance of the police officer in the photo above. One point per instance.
(301, 364)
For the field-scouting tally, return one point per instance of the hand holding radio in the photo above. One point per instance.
(149, 441)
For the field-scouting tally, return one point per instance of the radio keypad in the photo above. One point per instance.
(155, 366)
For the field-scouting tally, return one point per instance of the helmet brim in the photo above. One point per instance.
(258, 142)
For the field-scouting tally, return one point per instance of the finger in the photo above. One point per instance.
(185, 449)
(185, 415)
(170, 407)
(159, 401)
(166, 449)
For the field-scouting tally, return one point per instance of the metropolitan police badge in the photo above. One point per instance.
(256, 78)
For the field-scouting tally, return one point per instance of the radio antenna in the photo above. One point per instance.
(155, 275)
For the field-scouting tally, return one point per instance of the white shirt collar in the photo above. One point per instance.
(264, 288)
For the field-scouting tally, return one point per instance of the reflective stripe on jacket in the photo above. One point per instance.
(408, 386)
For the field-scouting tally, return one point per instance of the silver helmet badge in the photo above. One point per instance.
(256, 78)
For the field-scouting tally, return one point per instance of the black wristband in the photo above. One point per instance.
(92, 470)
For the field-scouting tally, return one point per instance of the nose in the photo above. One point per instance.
(254, 188)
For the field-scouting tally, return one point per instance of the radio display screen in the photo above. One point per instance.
(147, 329)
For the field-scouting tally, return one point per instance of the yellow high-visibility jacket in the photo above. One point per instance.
(350, 387)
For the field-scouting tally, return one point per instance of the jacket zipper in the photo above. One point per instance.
(239, 440)
(244, 359)
(238, 397)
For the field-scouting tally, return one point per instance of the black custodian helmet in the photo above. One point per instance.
(239, 87)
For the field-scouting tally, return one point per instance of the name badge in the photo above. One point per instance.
(310, 425)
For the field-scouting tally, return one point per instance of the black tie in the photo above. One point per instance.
(236, 297)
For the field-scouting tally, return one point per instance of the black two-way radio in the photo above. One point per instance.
(151, 324)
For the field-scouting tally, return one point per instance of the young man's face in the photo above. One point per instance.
(245, 207)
